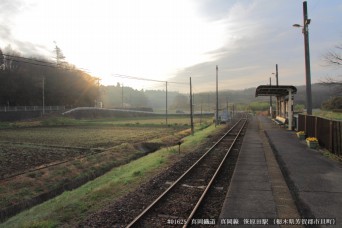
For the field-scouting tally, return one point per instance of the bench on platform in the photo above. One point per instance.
(281, 121)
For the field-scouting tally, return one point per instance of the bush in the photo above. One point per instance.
(332, 103)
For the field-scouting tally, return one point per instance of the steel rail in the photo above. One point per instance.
(213, 178)
(136, 219)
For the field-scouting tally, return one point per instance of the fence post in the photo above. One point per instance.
(339, 136)
(331, 136)
(305, 128)
(316, 126)
(335, 139)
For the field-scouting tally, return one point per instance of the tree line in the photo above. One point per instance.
(126, 97)
(27, 81)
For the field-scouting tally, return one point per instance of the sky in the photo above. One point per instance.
(173, 40)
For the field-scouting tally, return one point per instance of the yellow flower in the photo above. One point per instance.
(301, 133)
(312, 139)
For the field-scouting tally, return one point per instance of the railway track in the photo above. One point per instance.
(180, 201)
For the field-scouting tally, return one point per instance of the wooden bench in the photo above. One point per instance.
(281, 121)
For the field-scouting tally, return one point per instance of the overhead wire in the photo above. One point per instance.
(144, 79)
(42, 63)
(39, 62)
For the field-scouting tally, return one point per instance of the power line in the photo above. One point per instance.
(38, 62)
(14, 58)
(42, 63)
(144, 79)
(20, 57)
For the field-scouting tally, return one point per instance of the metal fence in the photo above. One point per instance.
(328, 132)
(30, 108)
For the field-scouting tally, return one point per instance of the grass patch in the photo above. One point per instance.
(5, 125)
(328, 114)
(331, 156)
(71, 207)
(55, 121)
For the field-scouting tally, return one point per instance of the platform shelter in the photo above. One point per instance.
(284, 101)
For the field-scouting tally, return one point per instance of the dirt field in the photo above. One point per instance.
(45, 161)
(29, 148)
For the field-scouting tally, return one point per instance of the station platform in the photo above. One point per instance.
(279, 182)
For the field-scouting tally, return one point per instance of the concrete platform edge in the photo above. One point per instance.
(302, 208)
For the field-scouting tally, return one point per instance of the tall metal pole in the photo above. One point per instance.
(307, 59)
(43, 95)
(277, 74)
(122, 96)
(227, 106)
(166, 104)
(233, 110)
(216, 115)
(277, 99)
(201, 112)
(271, 99)
(290, 110)
(191, 111)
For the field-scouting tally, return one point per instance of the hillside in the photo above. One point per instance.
(118, 97)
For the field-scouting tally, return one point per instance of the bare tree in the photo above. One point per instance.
(59, 55)
(334, 59)
(11, 59)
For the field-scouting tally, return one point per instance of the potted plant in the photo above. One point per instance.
(301, 135)
(312, 142)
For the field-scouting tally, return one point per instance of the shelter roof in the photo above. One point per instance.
(273, 90)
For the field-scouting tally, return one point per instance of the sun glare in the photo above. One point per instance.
(142, 38)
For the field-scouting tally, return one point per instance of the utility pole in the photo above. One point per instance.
(43, 95)
(233, 110)
(270, 99)
(201, 112)
(122, 96)
(191, 111)
(277, 74)
(277, 98)
(216, 115)
(166, 104)
(227, 107)
(306, 23)
(305, 31)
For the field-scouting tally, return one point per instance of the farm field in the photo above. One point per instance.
(46, 159)
(72, 207)
(81, 136)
